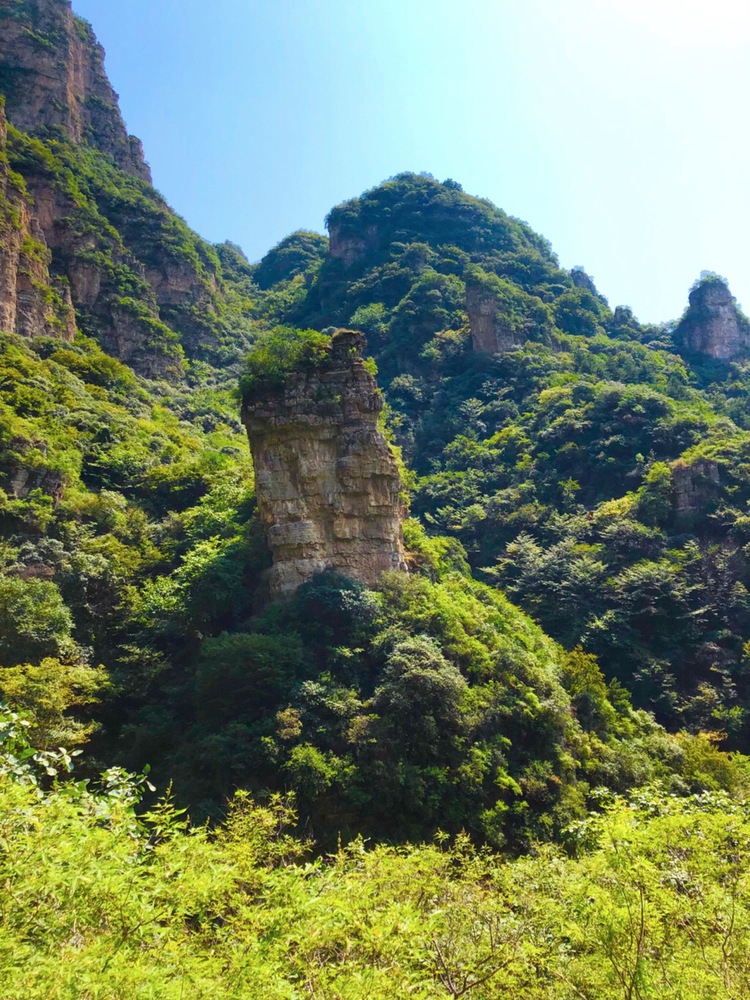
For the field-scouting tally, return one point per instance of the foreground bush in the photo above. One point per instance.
(652, 901)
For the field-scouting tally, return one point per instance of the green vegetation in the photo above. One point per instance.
(650, 900)
(296, 254)
(503, 774)
(589, 471)
(122, 230)
(282, 351)
(131, 542)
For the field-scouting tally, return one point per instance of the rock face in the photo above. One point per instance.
(583, 280)
(491, 329)
(85, 242)
(713, 326)
(351, 247)
(52, 74)
(326, 482)
(694, 486)
(32, 302)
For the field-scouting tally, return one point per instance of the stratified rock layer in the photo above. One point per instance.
(326, 482)
(713, 326)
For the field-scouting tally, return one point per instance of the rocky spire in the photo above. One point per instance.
(326, 482)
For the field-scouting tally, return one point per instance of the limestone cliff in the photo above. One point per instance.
(713, 326)
(327, 484)
(502, 317)
(52, 75)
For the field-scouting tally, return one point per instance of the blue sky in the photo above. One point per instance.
(617, 128)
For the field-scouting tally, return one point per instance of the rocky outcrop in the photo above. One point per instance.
(694, 486)
(52, 74)
(82, 239)
(23, 469)
(491, 330)
(351, 247)
(32, 302)
(326, 482)
(583, 280)
(713, 326)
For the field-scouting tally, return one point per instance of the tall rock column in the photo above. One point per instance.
(326, 482)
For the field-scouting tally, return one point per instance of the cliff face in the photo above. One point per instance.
(52, 75)
(491, 328)
(351, 248)
(326, 482)
(84, 240)
(712, 325)
(32, 301)
(694, 485)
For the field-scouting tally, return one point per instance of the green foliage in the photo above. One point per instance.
(281, 352)
(654, 903)
(597, 479)
(572, 468)
(557, 471)
(58, 698)
(34, 621)
(295, 254)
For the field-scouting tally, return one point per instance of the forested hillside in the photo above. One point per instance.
(594, 468)
(562, 675)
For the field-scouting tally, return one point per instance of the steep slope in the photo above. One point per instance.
(52, 76)
(594, 467)
(141, 283)
(33, 302)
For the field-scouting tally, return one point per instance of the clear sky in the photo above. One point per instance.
(617, 128)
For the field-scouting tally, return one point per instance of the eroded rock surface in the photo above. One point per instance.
(85, 242)
(52, 74)
(492, 330)
(694, 485)
(713, 326)
(32, 301)
(326, 482)
(351, 247)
